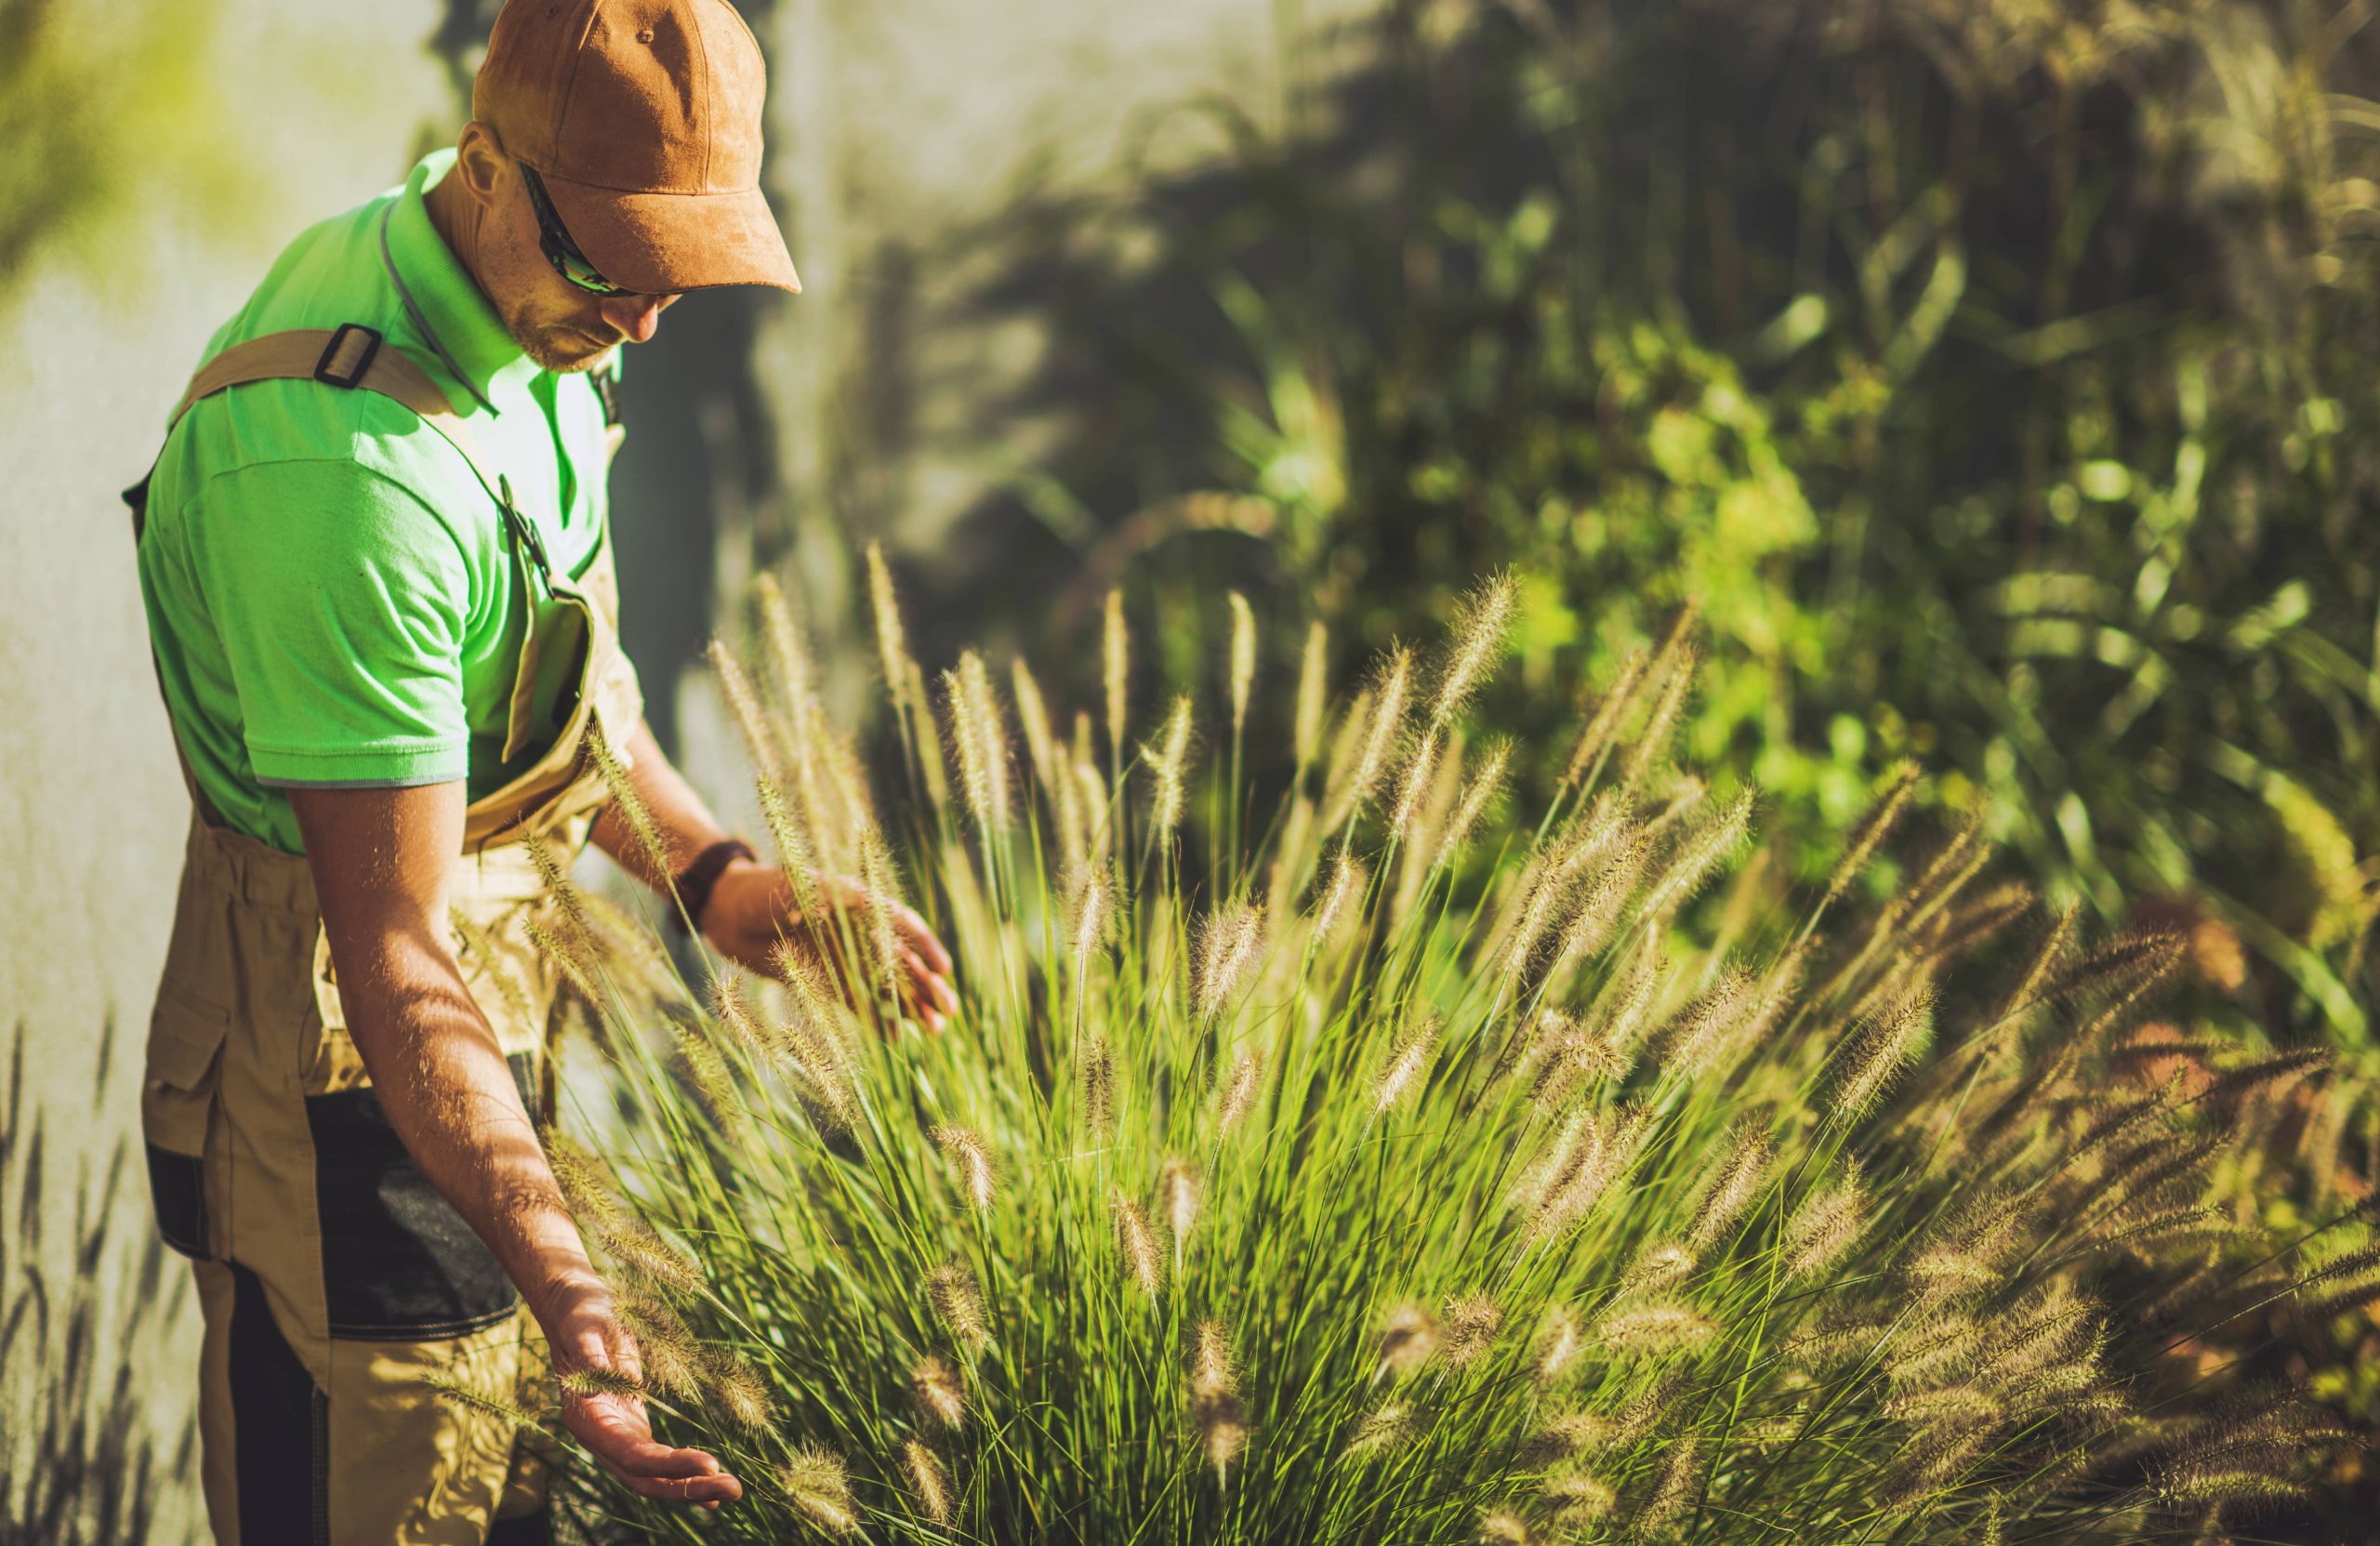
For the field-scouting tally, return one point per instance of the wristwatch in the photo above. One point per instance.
(694, 883)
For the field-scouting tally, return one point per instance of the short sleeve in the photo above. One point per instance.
(342, 601)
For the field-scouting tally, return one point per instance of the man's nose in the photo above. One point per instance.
(635, 316)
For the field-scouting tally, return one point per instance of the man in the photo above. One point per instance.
(375, 560)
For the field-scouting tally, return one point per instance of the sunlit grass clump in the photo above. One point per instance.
(1388, 1164)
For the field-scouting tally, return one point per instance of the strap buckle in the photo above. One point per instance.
(523, 531)
(354, 377)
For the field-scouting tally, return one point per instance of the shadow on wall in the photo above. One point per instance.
(700, 450)
(79, 1466)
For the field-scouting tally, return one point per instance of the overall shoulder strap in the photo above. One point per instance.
(349, 355)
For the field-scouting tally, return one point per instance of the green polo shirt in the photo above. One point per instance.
(332, 595)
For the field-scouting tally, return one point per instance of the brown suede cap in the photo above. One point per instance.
(642, 117)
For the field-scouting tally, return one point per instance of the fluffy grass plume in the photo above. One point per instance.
(1291, 1188)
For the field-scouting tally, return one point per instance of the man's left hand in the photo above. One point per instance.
(753, 910)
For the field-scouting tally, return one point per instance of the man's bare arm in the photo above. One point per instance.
(383, 862)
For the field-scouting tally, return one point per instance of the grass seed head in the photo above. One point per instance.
(1313, 669)
(1380, 733)
(891, 641)
(1469, 1332)
(882, 891)
(1403, 1073)
(1662, 1327)
(1826, 1226)
(1222, 1430)
(1137, 1241)
(982, 746)
(930, 749)
(971, 1162)
(1690, 1043)
(1177, 1190)
(1391, 1426)
(1341, 891)
(1211, 1371)
(738, 1390)
(1599, 902)
(951, 1288)
(816, 1486)
(1952, 1408)
(1503, 1527)
(1169, 768)
(1558, 1345)
(1041, 745)
(1884, 1044)
(934, 1384)
(1657, 1266)
(1239, 1091)
(927, 1481)
(1483, 624)
(1414, 786)
(1653, 744)
(1596, 736)
(1243, 659)
(1596, 1168)
(1095, 1070)
(1231, 943)
(1698, 857)
(1675, 1483)
(1091, 802)
(1567, 1435)
(1892, 800)
(649, 1258)
(1093, 908)
(1482, 784)
(1579, 1498)
(727, 1006)
(1407, 1339)
(668, 1351)
(1215, 1405)
(1115, 653)
(760, 741)
(587, 1383)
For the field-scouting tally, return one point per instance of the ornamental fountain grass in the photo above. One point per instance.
(1395, 1166)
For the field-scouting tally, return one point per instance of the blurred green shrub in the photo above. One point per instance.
(1996, 374)
(98, 117)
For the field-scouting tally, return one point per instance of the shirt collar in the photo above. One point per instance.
(465, 331)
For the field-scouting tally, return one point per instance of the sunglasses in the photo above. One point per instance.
(553, 238)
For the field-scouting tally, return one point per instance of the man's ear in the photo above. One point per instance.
(480, 162)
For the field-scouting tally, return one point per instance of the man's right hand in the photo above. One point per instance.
(383, 862)
(585, 1334)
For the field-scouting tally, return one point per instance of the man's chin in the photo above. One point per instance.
(596, 360)
(566, 352)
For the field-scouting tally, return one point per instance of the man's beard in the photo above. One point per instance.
(546, 346)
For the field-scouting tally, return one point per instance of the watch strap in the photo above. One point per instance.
(694, 883)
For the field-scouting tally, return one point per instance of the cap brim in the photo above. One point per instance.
(664, 242)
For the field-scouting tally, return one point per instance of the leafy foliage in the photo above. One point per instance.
(1994, 374)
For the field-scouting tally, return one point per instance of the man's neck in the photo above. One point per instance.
(451, 215)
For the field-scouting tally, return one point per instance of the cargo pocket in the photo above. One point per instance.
(185, 1062)
(399, 1263)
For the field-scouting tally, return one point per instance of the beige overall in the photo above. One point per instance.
(337, 1284)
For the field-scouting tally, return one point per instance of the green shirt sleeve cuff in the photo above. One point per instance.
(398, 766)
